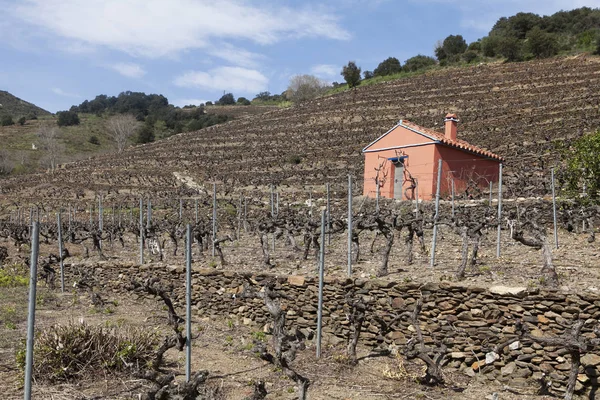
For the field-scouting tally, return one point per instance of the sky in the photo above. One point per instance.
(56, 53)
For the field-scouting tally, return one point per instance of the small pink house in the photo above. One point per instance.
(404, 161)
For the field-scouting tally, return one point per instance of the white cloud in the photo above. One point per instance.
(187, 102)
(155, 28)
(326, 70)
(130, 70)
(236, 55)
(232, 79)
(61, 92)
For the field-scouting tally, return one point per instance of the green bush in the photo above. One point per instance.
(7, 120)
(13, 276)
(510, 48)
(387, 67)
(22, 121)
(243, 101)
(294, 159)
(450, 48)
(419, 62)
(541, 44)
(351, 74)
(583, 166)
(489, 46)
(226, 100)
(67, 118)
(469, 56)
(94, 140)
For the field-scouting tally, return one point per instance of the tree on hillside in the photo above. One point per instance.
(368, 75)
(510, 48)
(541, 43)
(389, 66)
(516, 26)
(490, 45)
(226, 100)
(419, 62)
(49, 143)
(121, 128)
(67, 118)
(304, 87)
(263, 96)
(146, 132)
(243, 101)
(22, 121)
(451, 48)
(6, 120)
(351, 74)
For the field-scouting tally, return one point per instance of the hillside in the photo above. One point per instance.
(521, 111)
(15, 107)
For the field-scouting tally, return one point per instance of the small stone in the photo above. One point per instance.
(590, 359)
(537, 333)
(514, 345)
(491, 357)
(508, 291)
(563, 367)
(508, 369)
(542, 319)
(397, 303)
(583, 378)
(296, 280)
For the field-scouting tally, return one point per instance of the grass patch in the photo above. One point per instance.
(14, 276)
(76, 351)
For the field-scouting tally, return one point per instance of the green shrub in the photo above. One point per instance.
(469, 56)
(390, 66)
(294, 159)
(7, 120)
(14, 275)
(351, 74)
(67, 118)
(418, 62)
(94, 140)
(22, 121)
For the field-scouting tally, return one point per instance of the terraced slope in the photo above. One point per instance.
(518, 110)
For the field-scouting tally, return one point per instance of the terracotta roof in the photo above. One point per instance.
(459, 144)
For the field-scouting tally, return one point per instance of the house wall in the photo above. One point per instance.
(463, 167)
(422, 163)
(419, 163)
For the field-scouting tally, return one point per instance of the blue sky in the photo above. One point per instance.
(56, 53)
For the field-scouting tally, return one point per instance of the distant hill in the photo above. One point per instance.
(14, 106)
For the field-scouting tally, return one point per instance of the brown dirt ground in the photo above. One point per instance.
(221, 345)
(222, 348)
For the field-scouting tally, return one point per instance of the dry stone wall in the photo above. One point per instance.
(470, 321)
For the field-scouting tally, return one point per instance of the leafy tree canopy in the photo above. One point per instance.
(226, 100)
(419, 62)
(452, 46)
(351, 74)
(67, 118)
(389, 66)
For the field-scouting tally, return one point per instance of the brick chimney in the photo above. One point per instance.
(450, 124)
